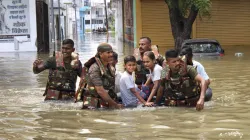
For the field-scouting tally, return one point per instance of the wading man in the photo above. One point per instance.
(63, 71)
(181, 84)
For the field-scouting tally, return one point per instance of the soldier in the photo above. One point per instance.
(144, 46)
(100, 80)
(64, 68)
(141, 72)
(187, 51)
(181, 84)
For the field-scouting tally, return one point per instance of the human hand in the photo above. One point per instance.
(200, 105)
(149, 104)
(37, 62)
(119, 106)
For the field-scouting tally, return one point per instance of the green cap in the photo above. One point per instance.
(104, 47)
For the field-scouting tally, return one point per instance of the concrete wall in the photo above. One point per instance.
(25, 46)
(119, 21)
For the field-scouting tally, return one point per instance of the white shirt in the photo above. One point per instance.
(117, 81)
(126, 83)
(156, 73)
(200, 69)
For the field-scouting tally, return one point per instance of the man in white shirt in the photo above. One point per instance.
(187, 51)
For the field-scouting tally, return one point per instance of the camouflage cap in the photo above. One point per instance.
(104, 47)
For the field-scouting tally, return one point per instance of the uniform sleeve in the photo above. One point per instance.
(95, 75)
(192, 72)
(50, 63)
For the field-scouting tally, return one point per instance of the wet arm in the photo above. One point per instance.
(137, 94)
(159, 95)
(105, 96)
(148, 82)
(203, 85)
(154, 90)
(39, 69)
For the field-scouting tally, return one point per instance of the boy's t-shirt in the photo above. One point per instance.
(126, 83)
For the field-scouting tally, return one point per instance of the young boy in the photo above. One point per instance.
(130, 94)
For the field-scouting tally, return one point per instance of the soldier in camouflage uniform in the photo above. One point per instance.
(141, 72)
(181, 84)
(64, 68)
(100, 80)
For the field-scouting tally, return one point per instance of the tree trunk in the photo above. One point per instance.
(181, 26)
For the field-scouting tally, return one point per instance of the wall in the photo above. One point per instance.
(128, 22)
(119, 20)
(25, 46)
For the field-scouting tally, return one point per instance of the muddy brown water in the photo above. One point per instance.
(24, 114)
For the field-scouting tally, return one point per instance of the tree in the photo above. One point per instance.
(182, 14)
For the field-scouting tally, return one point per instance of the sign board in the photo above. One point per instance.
(14, 19)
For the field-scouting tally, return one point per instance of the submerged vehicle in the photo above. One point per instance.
(204, 47)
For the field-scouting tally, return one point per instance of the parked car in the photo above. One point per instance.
(206, 47)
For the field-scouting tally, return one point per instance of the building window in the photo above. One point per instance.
(97, 12)
(88, 12)
(100, 22)
(87, 21)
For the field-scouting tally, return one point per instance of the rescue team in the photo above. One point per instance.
(176, 80)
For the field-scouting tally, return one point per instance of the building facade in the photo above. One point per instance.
(95, 16)
(229, 22)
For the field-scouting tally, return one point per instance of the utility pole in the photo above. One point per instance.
(52, 26)
(107, 24)
(59, 22)
(74, 6)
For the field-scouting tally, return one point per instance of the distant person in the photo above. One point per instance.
(63, 68)
(130, 94)
(117, 73)
(187, 51)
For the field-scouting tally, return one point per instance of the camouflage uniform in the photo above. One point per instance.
(160, 60)
(180, 89)
(62, 78)
(98, 75)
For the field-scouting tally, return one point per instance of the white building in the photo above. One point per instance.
(95, 17)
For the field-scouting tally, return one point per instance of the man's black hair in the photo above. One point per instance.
(129, 58)
(186, 51)
(115, 55)
(145, 37)
(68, 41)
(172, 53)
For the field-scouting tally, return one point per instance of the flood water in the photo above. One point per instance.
(25, 116)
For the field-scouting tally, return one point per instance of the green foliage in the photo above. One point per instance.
(184, 6)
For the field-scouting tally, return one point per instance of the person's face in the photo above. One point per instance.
(148, 63)
(174, 63)
(144, 45)
(130, 67)
(106, 56)
(67, 49)
(114, 62)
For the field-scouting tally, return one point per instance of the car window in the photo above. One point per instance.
(203, 47)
